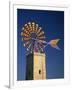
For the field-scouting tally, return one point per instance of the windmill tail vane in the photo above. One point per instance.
(53, 43)
(33, 38)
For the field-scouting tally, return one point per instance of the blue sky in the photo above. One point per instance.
(52, 23)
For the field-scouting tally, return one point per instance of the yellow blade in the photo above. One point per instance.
(30, 27)
(41, 33)
(36, 29)
(26, 27)
(33, 26)
(39, 30)
(26, 31)
(42, 37)
(24, 34)
(26, 39)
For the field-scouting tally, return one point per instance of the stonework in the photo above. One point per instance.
(36, 66)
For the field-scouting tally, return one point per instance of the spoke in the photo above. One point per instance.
(28, 48)
(41, 47)
(27, 43)
(41, 41)
(36, 47)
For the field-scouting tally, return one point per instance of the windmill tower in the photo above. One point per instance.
(35, 57)
(36, 67)
(34, 40)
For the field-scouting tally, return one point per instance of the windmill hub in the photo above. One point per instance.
(33, 35)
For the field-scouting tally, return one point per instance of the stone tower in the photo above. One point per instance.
(35, 66)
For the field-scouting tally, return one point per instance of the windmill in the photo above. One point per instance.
(33, 38)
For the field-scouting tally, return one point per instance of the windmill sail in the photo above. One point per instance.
(34, 38)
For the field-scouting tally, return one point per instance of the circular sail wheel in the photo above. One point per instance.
(33, 36)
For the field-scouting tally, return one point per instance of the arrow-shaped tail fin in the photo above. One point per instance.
(53, 43)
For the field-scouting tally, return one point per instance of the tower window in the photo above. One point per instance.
(39, 71)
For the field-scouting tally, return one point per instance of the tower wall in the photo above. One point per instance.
(39, 65)
(35, 66)
(29, 67)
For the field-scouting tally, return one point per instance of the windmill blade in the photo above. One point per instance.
(36, 28)
(42, 37)
(26, 39)
(28, 48)
(33, 26)
(42, 41)
(30, 27)
(27, 27)
(23, 29)
(41, 44)
(27, 43)
(41, 48)
(26, 31)
(24, 34)
(32, 30)
(41, 34)
(28, 35)
(39, 30)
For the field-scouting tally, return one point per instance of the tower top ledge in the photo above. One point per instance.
(36, 53)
